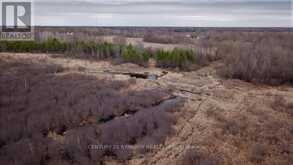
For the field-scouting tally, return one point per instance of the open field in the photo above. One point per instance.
(216, 98)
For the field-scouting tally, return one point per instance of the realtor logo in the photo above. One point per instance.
(16, 20)
(16, 16)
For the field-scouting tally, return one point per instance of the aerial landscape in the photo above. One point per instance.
(144, 95)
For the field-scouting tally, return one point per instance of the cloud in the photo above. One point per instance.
(163, 12)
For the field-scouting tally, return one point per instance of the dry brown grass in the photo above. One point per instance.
(261, 135)
(195, 157)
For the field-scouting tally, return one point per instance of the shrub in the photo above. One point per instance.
(3, 46)
(177, 58)
(120, 42)
(79, 110)
(135, 55)
(180, 58)
(91, 49)
(19, 46)
(50, 45)
(54, 45)
(146, 55)
(264, 62)
(82, 48)
(151, 123)
(105, 50)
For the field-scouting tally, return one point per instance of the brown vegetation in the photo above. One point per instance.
(256, 57)
(263, 62)
(165, 38)
(194, 157)
(49, 116)
(261, 135)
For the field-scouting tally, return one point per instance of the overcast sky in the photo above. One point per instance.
(196, 13)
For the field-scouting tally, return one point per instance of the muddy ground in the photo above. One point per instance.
(197, 117)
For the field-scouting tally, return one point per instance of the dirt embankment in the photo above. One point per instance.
(57, 101)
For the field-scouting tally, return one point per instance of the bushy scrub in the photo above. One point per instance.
(135, 55)
(81, 48)
(59, 116)
(91, 49)
(177, 58)
(180, 58)
(19, 46)
(50, 45)
(264, 62)
(146, 55)
(105, 50)
(54, 45)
